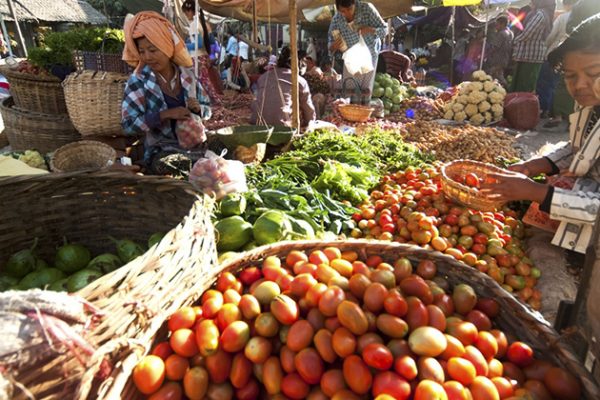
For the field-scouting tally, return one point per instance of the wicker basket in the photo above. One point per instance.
(515, 318)
(36, 93)
(100, 61)
(94, 102)
(469, 196)
(355, 112)
(83, 155)
(137, 298)
(28, 130)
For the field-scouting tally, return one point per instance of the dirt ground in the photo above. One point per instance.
(559, 278)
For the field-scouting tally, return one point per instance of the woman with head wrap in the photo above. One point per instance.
(161, 93)
(530, 45)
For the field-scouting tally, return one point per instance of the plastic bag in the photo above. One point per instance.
(357, 58)
(190, 132)
(216, 176)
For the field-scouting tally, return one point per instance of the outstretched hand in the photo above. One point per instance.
(513, 186)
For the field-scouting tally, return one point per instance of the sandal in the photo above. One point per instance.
(553, 123)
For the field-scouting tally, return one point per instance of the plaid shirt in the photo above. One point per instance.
(530, 45)
(365, 15)
(143, 97)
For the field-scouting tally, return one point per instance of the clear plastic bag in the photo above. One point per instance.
(216, 176)
(190, 132)
(357, 58)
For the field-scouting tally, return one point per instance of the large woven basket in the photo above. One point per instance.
(86, 208)
(94, 102)
(100, 61)
(38, 93)
(515, 318)
(355, 112)
(83, 155)
(470, 197)
(28, 130)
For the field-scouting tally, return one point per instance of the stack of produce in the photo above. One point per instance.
(391, 92)
(421, 108)
(223, 117)
(331, 324)
(478, 102)
(30, 157)
(453, 143)
(73, 266)
(409, 207)
(308, 191)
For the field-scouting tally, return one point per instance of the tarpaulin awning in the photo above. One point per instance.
(277, 11)
(441, 16)
(460, 3)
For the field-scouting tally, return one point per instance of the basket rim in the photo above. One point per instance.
(9, 72)
(82, 143)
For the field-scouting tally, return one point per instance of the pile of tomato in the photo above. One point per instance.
(410, 207)
(327, 324)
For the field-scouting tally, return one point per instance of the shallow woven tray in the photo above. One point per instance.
(470, 197)
(83, 155)
(94, 102)
(355, 112)
(26, 130)
(137, 298)
(36, 93)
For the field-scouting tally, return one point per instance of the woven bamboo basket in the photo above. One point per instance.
(86, 208)
(355, 112)
(100, 61)
(469, 196)
(28, 130)
(515, 318)
(36, 93)
(83, 155)
(94, 102)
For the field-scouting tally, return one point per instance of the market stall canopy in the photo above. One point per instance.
(76, 11)
(277, 11)
(441, 16)
(452, 3)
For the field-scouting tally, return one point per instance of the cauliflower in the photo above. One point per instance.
(489, 86)
(484, 106)
(448, 107)
(496, 98)
(33, 159)
(488, 117)
(477, 119)
(497, 109)
(471, 110)
(460, 116)
(477, 97)
(479, 75)
(489, 78)
(457, 107)
(463, 99)
(476, 86)
(463, 87)
(501, 90)
(449, 114)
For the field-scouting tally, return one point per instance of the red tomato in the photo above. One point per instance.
(392, 384)
(472, 180)
(520, 354)
(378, 356)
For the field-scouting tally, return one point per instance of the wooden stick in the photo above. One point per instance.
(294, 51)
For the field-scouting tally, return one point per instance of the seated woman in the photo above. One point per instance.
(160, 92)
(235, 74)
(273, 104)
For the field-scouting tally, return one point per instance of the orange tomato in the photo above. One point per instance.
(183, 342)
(392, 384)
(456, 391)
(241, 371)
(344, 342)
(294, 387)
(219, 366)
(324, 344)
(332, 382)
(258, 349)
(430, 390)
(330, 300)
(162, 350)
(406, 366)
(149, 374)
(182, 319)
(484, 389)
(207, 337)
(309, 365)
(176, 366)
(357, 374)
(461, 370)
(374, 297)
(195, 383)
(300, 335)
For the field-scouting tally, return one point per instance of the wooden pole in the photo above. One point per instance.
(14, 15)
(294, 51)
(254, 24)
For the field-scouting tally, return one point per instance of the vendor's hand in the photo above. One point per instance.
(178, 113)
(532, 167)
(336, 45)
(366, 30)
(513, 186)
